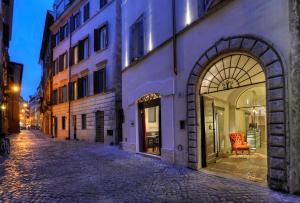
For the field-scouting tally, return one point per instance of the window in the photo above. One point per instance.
(86, 12)
(83, 49)
(101, 38)
(75, 21)
(57, 38)
(64, 32)
(137, 39)
(99, 81)
(55, 67)
(63, 123)
(63, 94)
(62, 62)
(83, 121)
(74, 55)
(103, 3)
(205, 5)
(73, 90)
(82, 87)
(55, 97)
(79, 52)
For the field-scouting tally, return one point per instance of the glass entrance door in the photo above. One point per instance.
(150, 133)
(209, 127)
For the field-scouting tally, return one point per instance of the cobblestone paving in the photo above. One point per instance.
(41, 169)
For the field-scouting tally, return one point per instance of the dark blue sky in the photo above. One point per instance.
(28, 24)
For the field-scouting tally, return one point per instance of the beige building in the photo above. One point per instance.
(86, 89)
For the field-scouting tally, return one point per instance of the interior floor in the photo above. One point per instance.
(251, 167)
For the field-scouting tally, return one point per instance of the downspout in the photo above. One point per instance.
(69, 98)
(174, 70)
(174, 37)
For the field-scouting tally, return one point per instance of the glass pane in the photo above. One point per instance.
(152, 135)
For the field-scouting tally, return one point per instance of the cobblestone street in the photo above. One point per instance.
(46, 170)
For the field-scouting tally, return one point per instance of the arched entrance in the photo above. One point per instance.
(219, 70)
(233, 116)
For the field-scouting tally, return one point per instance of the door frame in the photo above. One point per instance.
(141, 125)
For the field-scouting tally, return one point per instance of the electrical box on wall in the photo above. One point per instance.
(182, 124)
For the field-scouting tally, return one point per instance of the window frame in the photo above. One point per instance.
(83, 121)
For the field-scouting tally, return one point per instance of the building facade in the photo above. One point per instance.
(204, 78)
(86, 85)
(6, 14)
(15, 74)
(46, 81)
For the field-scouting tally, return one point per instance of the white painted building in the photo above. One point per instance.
(87, 71)
(169, 48)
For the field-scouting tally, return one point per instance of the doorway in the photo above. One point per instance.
(74, 127)
(100, 126)
(150, 124)
(233, 118)
(55, 126)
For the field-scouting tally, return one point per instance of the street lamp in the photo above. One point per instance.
(25, 105)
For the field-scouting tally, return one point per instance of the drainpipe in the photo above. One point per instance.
(174, 37)
(69, 76)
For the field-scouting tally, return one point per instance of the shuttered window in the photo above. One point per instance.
(75, 21)
(73, 90)
(137, 39)
(82, 87)
(74, 55)
(63, 123)
(62, 62)
(103, 3)
(86, 12)
(99, 81)
(55, 97)
(64, 32)
(101, 38)
(205, 5)
(83, 121)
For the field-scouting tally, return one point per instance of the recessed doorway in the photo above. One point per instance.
(233, 118)
(150, 124)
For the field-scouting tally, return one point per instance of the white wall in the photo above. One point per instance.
(269, 21)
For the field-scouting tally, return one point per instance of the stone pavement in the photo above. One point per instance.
(42, 169)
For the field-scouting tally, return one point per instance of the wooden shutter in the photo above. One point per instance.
(72, 24)
(106, 40)
(71, 90)
(71, 57)
(86, 12)
(140, 39)
(96, 82)
(96, 39)
(132, 43)
(80, 88)
(80, 50)
(61, 62)
(53, 41)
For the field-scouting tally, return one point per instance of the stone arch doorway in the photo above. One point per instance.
(272, 66)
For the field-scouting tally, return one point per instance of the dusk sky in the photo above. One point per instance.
(28, 25)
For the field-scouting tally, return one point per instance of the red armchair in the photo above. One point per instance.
(238, 143)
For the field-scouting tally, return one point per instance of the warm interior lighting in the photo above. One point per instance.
(3, 107)
(15, 88)
(25, 105)
(23, 110)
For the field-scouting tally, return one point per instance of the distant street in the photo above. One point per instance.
(46, 170)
